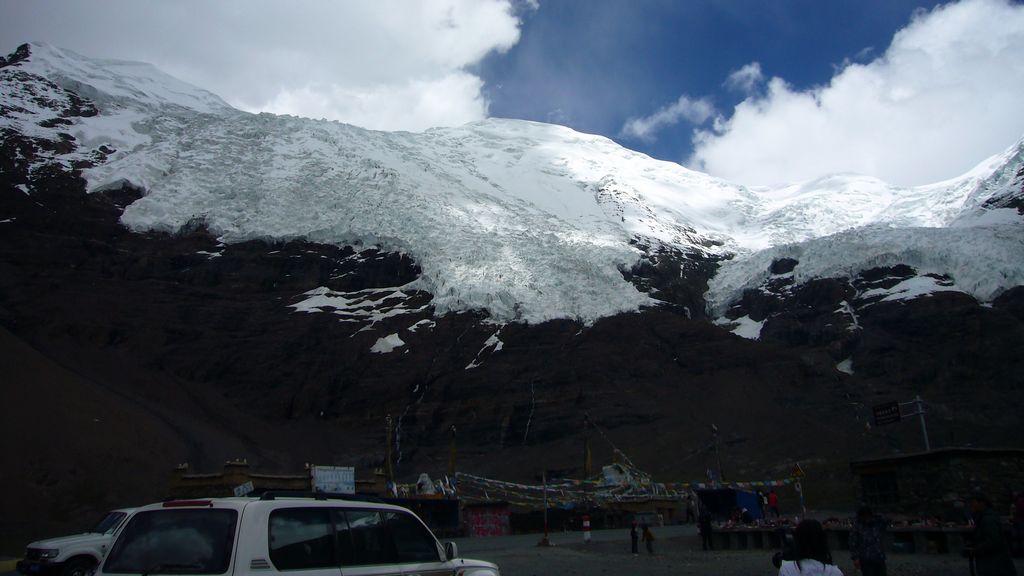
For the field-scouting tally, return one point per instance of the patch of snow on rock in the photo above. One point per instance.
(492, 345)
(846, 366)
(982, 261)
(744, 327)
(370, 305)
(910, 288)
(422, 324)
(387, 344)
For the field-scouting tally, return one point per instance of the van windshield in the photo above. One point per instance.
(184, 541)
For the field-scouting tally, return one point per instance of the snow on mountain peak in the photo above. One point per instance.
(121, 81)
(528, 221)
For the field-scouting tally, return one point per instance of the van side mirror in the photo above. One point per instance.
(451, 550)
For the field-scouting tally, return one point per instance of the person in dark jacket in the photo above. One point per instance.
(989, 551)
(811, 550)
(866, 543)
(704, 522)
(1018, 523)
(788, 551)
(648, 538)
(634, 537)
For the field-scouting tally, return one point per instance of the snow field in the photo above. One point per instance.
(527, 221)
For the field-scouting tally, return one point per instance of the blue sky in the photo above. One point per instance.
(753, 91)
(592, 64)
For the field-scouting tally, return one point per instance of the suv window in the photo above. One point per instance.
(413, 542)
(109, 522)
(363, 538)
(301, 538)
(192, 541)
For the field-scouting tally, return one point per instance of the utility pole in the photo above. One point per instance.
(587, 457)
(919, 406)
(892, 412)
(544, 541)
(718, 457)
(389, 471)
(451, 454)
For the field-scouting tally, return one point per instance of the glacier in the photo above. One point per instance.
(527, 221)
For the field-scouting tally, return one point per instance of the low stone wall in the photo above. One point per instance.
(930, 540)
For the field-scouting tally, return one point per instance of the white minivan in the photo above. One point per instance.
(317, 536)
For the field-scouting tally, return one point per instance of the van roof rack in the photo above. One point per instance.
(274, 494)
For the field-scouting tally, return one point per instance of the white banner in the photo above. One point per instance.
(334, 479)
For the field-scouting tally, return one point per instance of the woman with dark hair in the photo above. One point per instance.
(811, 551)
(867, 543)
(990, 552)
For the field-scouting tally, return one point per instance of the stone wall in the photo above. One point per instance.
(932, 483)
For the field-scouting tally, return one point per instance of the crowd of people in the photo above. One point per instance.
(806, 553)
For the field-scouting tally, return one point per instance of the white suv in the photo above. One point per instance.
(273, 534)
(73, 555)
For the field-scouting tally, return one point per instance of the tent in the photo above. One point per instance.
(721, 501)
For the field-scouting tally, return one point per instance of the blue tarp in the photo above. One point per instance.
(721, 501)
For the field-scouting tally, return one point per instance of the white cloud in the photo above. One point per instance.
(413, 105)
(385, 64)
(746, 79)
(945, 95)
(685, 108)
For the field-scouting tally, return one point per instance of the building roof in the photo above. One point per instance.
(939, 453)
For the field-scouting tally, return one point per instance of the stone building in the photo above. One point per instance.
(936, 483)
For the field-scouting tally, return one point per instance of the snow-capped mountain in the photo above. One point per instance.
(527, 221)
(183, 281)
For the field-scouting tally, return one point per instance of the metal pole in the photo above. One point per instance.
(389, 470)
(718, 457)
(924, 429)
(544, 541)
(451, 454)
(544, 477)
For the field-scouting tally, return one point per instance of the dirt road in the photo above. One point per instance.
(677, 552)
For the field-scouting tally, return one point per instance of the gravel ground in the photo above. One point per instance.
(677, 552)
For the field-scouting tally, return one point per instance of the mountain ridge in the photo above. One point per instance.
(516, 218)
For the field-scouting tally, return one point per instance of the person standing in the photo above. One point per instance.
(1018, 522)
(634, 537)
(811, 552)
(867, 549)
(704, 525)
(648, 537)
(990, 553)
(690, 517)
(773, 502)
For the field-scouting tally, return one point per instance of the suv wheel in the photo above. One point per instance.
(77, 567)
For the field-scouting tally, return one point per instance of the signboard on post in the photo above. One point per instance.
(888, 413)
(243, 489)
(334, 479)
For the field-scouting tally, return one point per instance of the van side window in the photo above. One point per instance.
(301, 538)
(363, 538)
(413, 542)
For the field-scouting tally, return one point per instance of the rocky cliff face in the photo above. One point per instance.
(133, 352)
